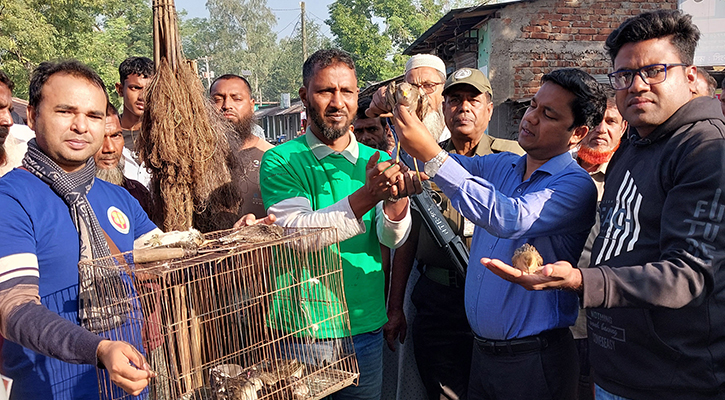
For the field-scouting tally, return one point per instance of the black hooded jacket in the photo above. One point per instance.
(656, 317)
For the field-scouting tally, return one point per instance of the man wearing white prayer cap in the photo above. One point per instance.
(427, 72)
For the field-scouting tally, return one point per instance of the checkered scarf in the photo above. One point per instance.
(73, 188)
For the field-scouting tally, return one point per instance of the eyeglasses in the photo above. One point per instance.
(428, 87)
(650, 74)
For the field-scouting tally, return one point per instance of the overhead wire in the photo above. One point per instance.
(290, 23)
(316, 17)
(290, 36)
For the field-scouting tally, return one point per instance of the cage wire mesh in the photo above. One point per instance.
(232, 320)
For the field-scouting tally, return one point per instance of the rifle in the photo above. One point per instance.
(441, 231)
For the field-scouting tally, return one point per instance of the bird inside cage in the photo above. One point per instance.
(238, 317)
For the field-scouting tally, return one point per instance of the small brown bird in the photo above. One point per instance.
(527, 259)
(409, 96)
(254, 234)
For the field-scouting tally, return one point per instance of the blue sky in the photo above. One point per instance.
(287, 12)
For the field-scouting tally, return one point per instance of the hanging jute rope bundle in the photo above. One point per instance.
(182, 141)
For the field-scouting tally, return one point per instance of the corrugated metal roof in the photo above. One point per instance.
(20, 107)
(295, 107)
(369, 90)
(454, 23)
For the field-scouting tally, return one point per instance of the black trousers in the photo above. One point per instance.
(442, 340)
(586, 391)
(551, 373)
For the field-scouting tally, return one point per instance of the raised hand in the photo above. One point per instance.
(379, 105)
(381, 177)
(413, 135)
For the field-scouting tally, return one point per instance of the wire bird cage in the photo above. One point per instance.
(237, 320)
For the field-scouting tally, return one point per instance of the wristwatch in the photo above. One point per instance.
(431, 166)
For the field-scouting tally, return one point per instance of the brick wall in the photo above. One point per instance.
(532, 38)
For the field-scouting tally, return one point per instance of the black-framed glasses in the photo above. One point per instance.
(650, 74)
(428, 87)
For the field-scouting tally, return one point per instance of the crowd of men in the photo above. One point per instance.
(618, 187)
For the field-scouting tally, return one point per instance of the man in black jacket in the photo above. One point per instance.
(655, 291)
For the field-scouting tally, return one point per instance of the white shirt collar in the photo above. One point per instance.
(445, 135)
(321, 150)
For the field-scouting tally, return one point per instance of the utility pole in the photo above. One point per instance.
(304, 31)
(257, 88)
(207, 72)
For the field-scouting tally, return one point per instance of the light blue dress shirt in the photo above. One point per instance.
(553, 210)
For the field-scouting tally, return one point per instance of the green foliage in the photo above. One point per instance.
(26, 38)
(351, 23)
(238, 38)
(244, 36)
(286, 71)
(375, 32)
(100, 33)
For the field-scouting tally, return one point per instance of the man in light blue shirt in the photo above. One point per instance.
(524, 348)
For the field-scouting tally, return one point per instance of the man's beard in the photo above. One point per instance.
(435, 122)
(243, 128)
(330, 133)
(595, 157)
(113, 175)
(383, 145)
